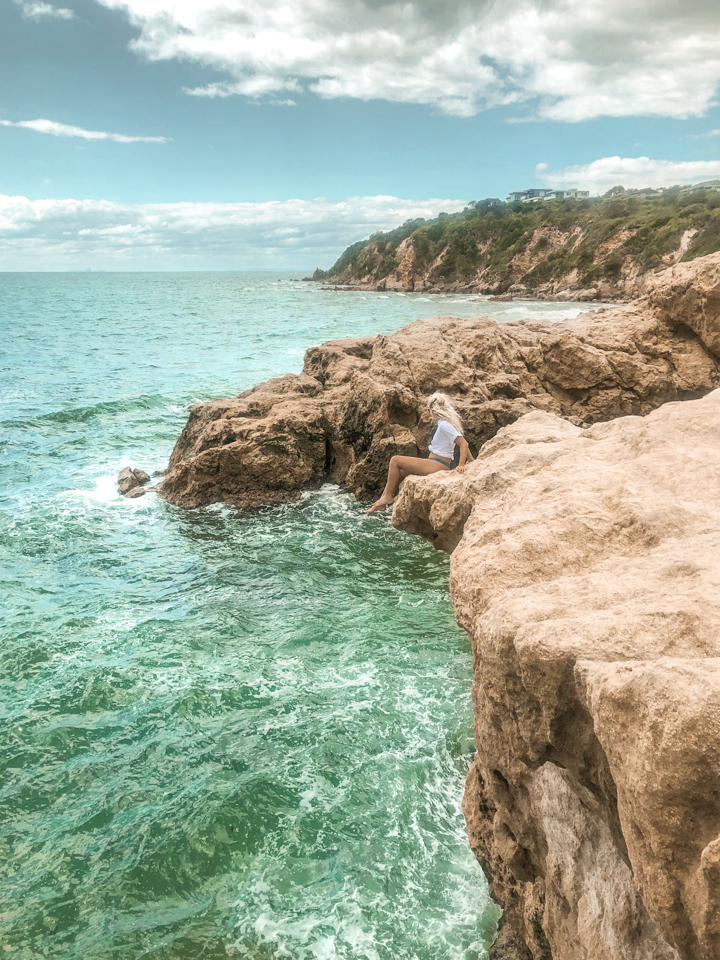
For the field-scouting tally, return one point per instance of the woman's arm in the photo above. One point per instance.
(465, 455)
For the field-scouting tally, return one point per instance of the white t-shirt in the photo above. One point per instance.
(443, 442)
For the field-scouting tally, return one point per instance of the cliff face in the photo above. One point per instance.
(357, 402)
(564, 250)
(587, 574)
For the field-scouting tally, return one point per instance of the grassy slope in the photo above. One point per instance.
(490, 237)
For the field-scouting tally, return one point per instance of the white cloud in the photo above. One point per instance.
(65, 130)
(43, 11)
(564, 60)
(637, 172)
(291, 234)
(708, 135)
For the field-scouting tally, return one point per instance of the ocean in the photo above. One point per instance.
(222, 733)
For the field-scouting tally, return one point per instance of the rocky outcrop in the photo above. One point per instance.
(359, 401)
(600, 249)
(586, 569)
(131, 482)
(516, 280)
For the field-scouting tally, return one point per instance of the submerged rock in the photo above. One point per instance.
(359, 401)
(586, 569)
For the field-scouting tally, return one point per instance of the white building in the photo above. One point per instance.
(542, 193)
(525, 195)
(572, 194)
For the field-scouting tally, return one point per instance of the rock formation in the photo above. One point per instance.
(585, 546)
(359, 401)
(601, 249)
(586, 569)
(131, 482)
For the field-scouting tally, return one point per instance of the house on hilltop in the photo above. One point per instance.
(524, 196)
(572, 194)
(543, 193)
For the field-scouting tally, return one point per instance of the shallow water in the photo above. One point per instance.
(221, 733)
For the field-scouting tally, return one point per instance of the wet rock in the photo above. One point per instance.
(127, 480)
(136, 492)
(131, 477)
(585, 567)
(359, 401)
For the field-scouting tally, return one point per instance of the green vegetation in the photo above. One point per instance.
(593, 237)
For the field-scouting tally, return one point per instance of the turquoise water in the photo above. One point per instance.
(221, 734)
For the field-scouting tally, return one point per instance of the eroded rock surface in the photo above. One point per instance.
(586, 569)
(359, 401)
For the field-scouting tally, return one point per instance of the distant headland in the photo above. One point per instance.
(563, 248)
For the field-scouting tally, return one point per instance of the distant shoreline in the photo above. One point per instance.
(587, 250)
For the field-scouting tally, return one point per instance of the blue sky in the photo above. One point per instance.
(276, 133)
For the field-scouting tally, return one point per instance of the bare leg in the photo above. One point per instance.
(401, 467)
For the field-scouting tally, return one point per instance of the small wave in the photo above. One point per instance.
(540, 311)
(85, 414)
(105, 491)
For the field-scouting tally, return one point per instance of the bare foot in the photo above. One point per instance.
(380, 504)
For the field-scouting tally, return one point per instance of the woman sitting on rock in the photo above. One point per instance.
(442, 450)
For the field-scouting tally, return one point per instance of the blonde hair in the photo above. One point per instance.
(441, 408)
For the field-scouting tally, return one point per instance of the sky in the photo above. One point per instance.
(270, 134)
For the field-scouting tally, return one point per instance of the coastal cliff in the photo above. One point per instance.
(584, 544)
(604, 248)
(586, 574)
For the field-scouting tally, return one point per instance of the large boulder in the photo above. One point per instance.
(585, 566)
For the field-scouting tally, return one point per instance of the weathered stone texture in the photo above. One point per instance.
(586, 569)
(359, 401)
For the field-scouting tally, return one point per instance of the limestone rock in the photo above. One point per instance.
(359, 401)
(586, 569)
